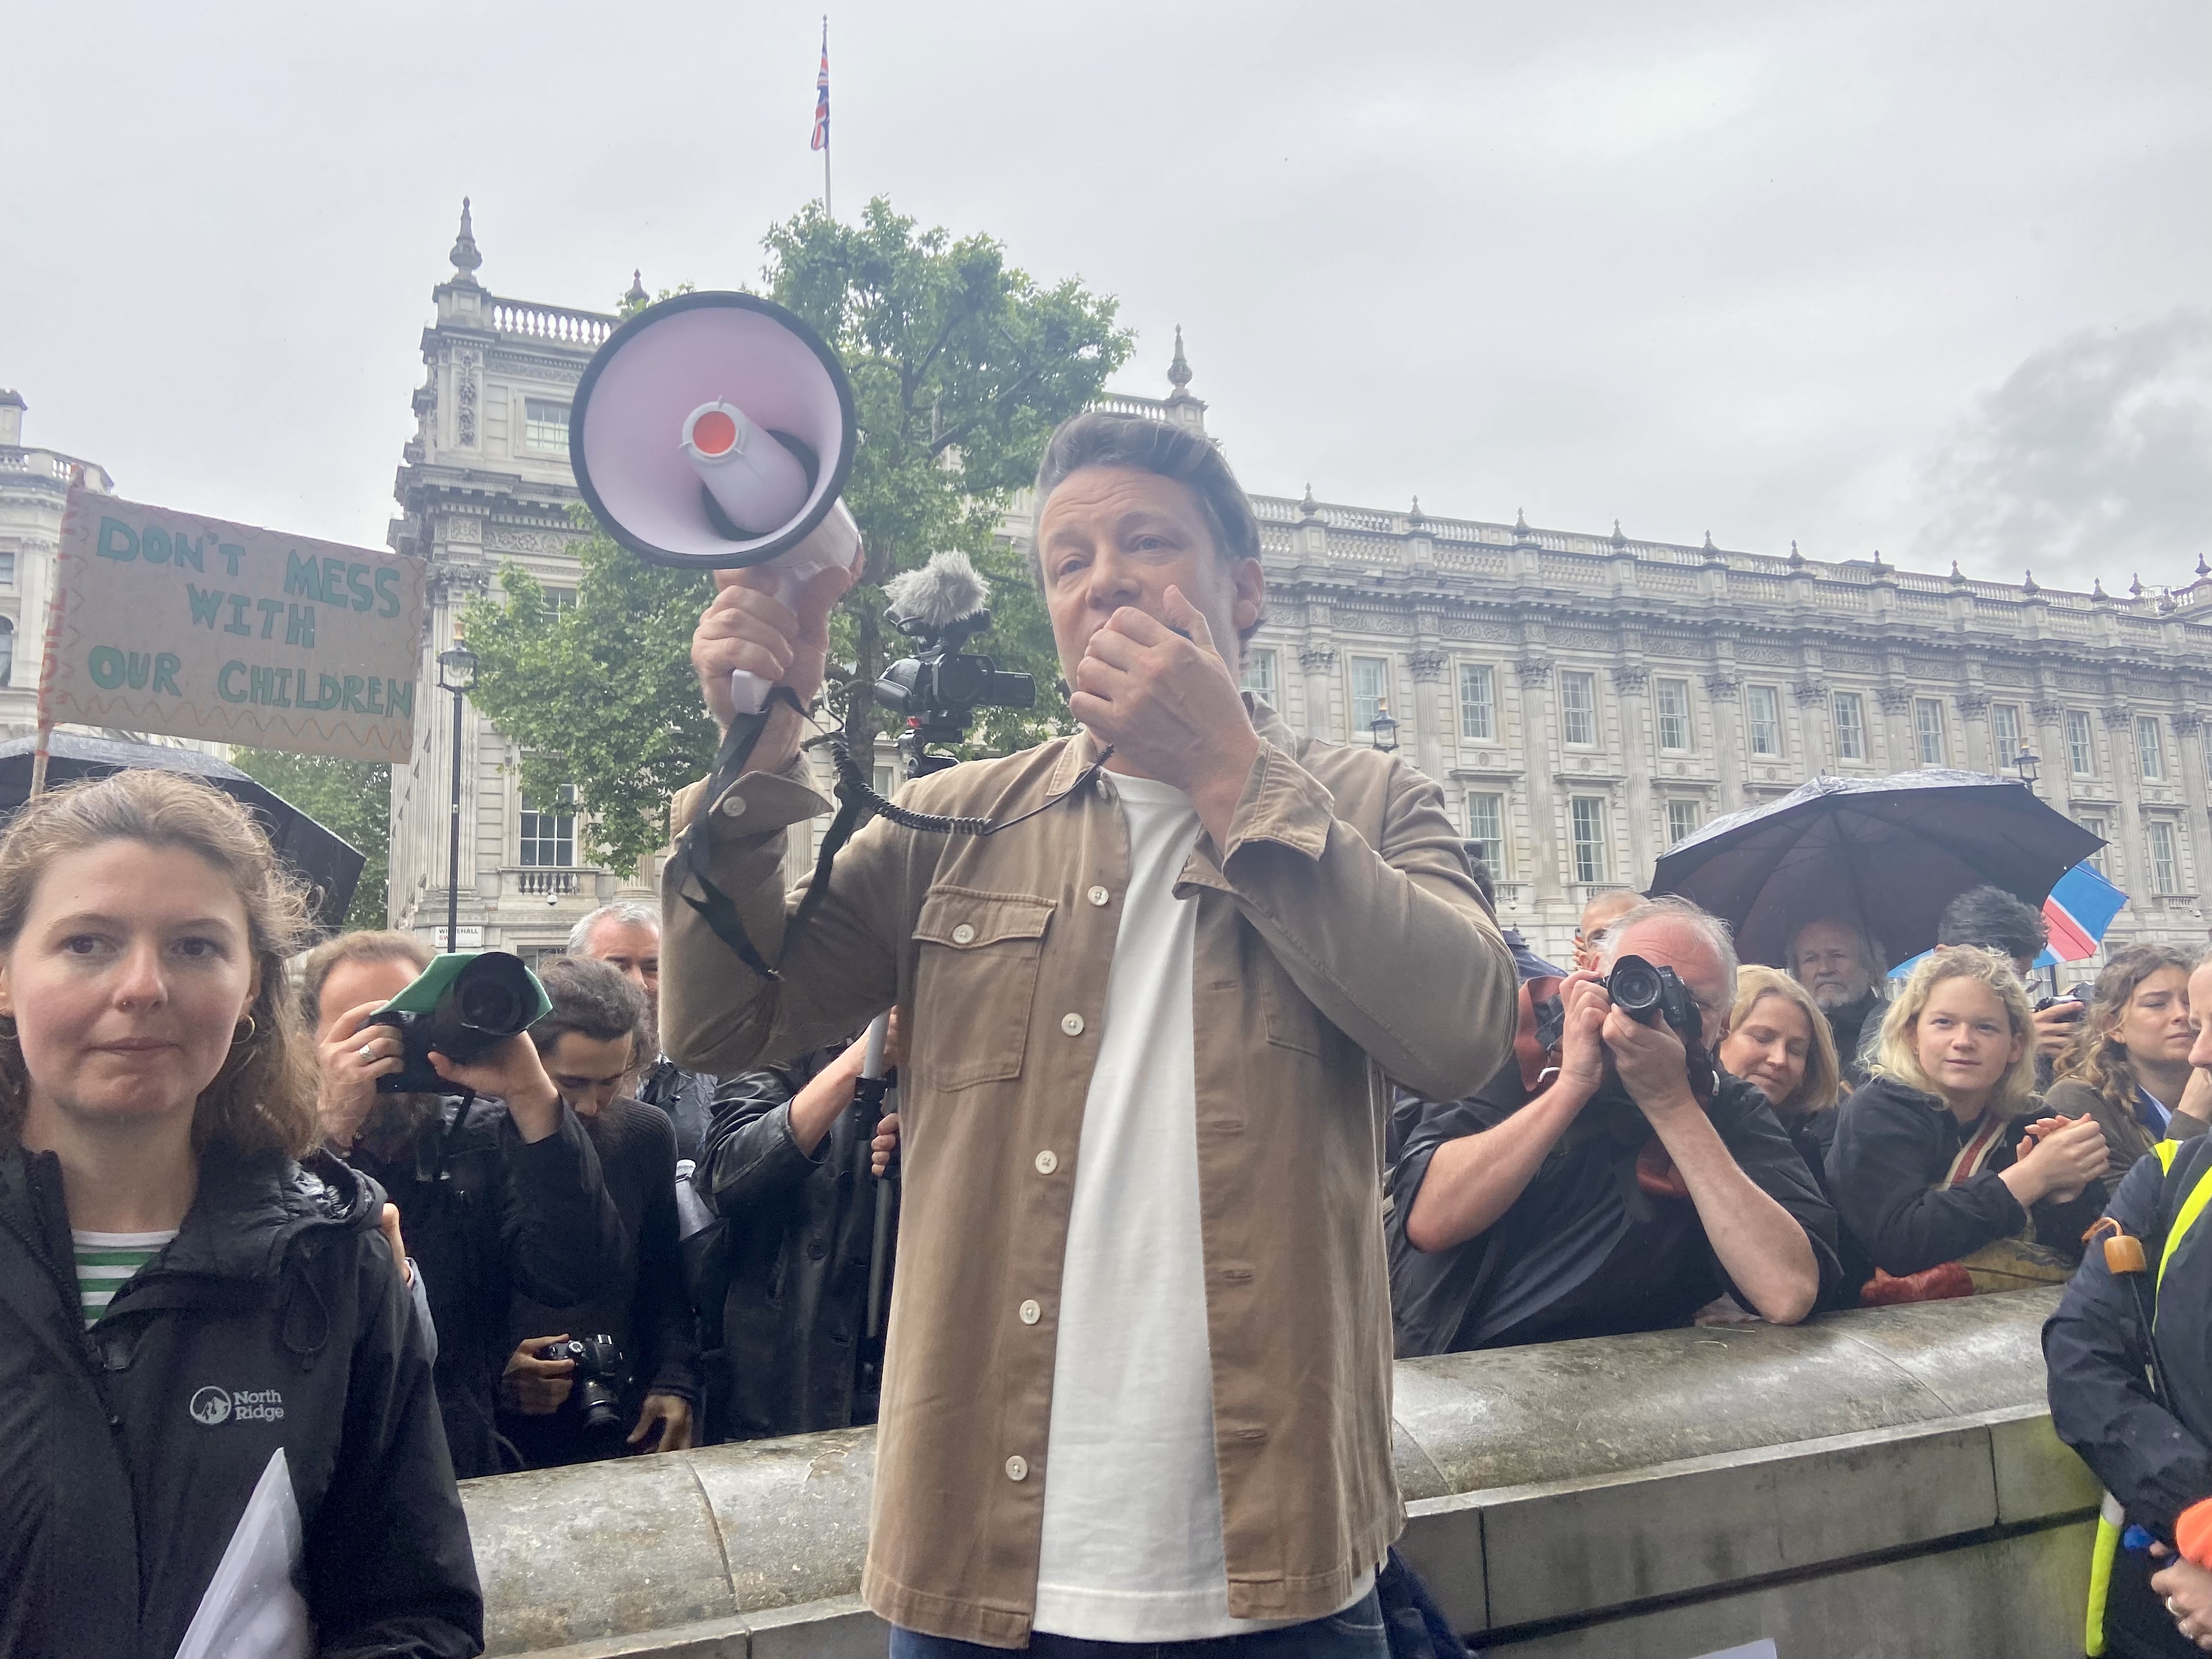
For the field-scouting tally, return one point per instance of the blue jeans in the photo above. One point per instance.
(1355, 1633)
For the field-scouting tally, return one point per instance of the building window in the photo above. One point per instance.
(2004, 734)
(1851, 726)
(2081, 749)
(549, 839)
(559, 600)
(1260, 673)
(544, 424)
(1587, 812)
(1681, 820)
(1478, 702)
(1928, 724)
(1765, 704)
(1674, 704)
(2150, 747)
(2165, 877)
(1485, 828)
(2096, 859)
(7, 652)
(1578, 705)
(7, 569)
(1368, 693)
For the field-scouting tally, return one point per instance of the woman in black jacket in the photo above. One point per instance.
(1927, 1167)
(209, 1359)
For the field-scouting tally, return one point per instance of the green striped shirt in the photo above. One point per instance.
(106, 1262)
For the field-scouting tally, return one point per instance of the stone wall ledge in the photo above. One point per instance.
(1550, 1487)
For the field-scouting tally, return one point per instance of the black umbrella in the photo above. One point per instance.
(1888, 853)
(330, 865)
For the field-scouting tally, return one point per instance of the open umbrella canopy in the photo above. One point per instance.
(332, 867)
(1888, 853)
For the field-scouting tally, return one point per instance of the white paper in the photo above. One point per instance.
(253, 1608)
(1760, 1649)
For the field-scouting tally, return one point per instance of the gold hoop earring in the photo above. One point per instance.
(244, 1032)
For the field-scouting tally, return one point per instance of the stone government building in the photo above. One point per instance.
(1585, 700)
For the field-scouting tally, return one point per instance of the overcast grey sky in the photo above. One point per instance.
(1932, 277)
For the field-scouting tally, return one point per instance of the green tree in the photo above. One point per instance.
(350, 798)
(961, 366)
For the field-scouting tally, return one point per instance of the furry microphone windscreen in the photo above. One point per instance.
(941, 593)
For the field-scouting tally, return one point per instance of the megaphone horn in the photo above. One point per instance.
(715, 431)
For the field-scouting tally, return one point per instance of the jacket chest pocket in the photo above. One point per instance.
(976, 984)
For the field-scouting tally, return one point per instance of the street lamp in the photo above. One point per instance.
(2025, 764)
(1383, 729)
(457, 673)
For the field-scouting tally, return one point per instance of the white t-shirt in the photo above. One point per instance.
(1132, 1546)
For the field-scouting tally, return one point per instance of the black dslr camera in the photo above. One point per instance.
(1649, 994)
(940, 688)
(598, 1376)
(487, 999)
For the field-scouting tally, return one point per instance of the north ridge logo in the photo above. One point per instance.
(212, 1405)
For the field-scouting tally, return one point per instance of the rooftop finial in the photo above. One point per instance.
(1957, 575)
(1795, 557)
(1709, 548)
(1179, 367)
(1309, 508)
(465, 256)
(637, 295)
(1619, 540)
(2097, 589)
(2135, 585)
(1416, 519)
(1878, 564)
(2202, 569)
(2029, 585)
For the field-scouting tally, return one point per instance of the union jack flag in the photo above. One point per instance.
(822, 94)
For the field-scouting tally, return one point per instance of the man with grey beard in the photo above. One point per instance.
(495, 1194)
(1834, 960)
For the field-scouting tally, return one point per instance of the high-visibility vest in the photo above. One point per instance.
(2112, 1517)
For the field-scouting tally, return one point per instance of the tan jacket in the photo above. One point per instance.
(1319, 960)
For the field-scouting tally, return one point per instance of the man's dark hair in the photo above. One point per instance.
(1165, 450)
(1993, 920)
(594, 1001)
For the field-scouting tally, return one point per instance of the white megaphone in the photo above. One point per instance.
(715, 431)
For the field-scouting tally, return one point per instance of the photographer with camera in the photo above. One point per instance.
(1608, 1179)
(628, 1356)
(1139, 1384)
(498, 1191)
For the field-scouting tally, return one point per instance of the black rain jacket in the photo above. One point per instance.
(276, 1318)
(487, 1215)
(1892, 1144)
(797, 1231)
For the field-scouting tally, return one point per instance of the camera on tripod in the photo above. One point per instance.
(941, 686)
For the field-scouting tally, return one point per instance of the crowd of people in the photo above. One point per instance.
(1220, 1086)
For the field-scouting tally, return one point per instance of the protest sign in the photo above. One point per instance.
(203, 629)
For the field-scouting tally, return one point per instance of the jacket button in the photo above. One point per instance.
(1098, 896)
(964, 934)
(1047, 1161)
(1030, 1313)
(733, 806)
(1072, 1023)
(1018, 1469)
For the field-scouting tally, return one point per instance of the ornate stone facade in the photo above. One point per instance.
(33, 489)
(1583, 700)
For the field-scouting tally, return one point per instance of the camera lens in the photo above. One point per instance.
(1634, 986)
(490, 1004)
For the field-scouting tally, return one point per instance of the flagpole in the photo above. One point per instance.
(827, 211)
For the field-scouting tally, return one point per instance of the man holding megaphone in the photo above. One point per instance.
(1138, 1380)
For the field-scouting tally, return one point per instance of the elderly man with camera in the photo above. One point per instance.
(1138, 1389)
(1609, 1178)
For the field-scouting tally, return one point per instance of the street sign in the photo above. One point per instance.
(200, 628)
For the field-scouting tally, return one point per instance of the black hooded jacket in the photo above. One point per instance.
(276, 1318)
(488, 1215)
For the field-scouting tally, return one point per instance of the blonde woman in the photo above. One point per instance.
(2127, 1064)
(204, 1338)
(1779, 1041)
(1938, 1156)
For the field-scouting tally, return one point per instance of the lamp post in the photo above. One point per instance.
(2025, 764)
(457, 673)
(1383, 729)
